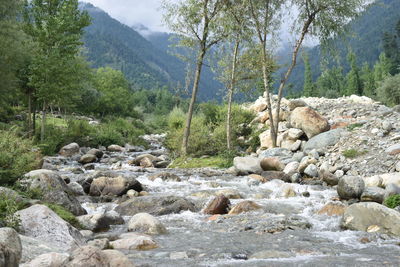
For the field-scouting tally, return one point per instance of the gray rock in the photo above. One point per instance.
(372, 217)
(97, 152)
(54, 189)
(100, 222)
(165, 176)
(298, 156)
(247, 165)
(117, 258)
(87, 158)
(118, 186)
(393, 150)
(88, 256)
(373, 194)
(115, 148)
(329, 178)
(323, 140)
(134, 241)
(268, 254)
(40, 222)
(32, 248)
(391, 189)
(10, 248)
(76, 188)
(350, 187)
(51, 259)
(69, 150)
(278, 152)
(271, 175)
(296, 103)
(311, 170)
(155, 205)
(146, 223)
(101, 243)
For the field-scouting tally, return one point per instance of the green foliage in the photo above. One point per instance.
(65, 215)
(8, 207)
(368, 81)
(309, 87)
(331, 83)
(353, 126)
(17, 157)
(392, 201)
(389, 90)
(353, 81)
(353, 153)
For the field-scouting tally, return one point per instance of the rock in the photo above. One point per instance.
(387, 126)
(272, 164)
(282, 153)
(291, 168)
(165, 176)
(100, 222)
(88, 158)
(311, 170)
(390, 190)
(332, 209)
(390, 178)
(298, 156)
(397, 167)
(76, 189)
(373, 194)
(258, 178)
(295, 134)
(132, 193)
(69, 150)
(87, 256)
(54, 189)
(115, 148)
(295, 177)
(145, 158)
(117, 259)
(296, 103)
(219, 205)
(247, 165)
(102, 243)
(118, 186)
(244, 206)
(97, 152)
(305, 162)
(178, 255)
(259, 106)
(372, 216)
(271, 175)
(308, 120)
(393, 150)
(134, 241)
(10, 248)
(229, 193)
(9, 193)
(350, 187)
(146, 223)
(155, 205)
(40, 222)
(296, 145)
(373, 181)
(162, 164)
(32, 248)
(51, 259)
(265, 139)
(323, 140)
(146, 163)
(287, 191)
(328, 177)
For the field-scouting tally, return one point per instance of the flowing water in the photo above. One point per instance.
(286, 232)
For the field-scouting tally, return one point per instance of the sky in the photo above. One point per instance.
(131, 12)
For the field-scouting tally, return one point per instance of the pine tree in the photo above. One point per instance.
(381, 69)
(309, 87)
(353, 81)
(368, 81)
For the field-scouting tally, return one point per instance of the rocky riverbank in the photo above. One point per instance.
(308, 202)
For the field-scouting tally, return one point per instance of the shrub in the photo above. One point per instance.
(17, 157)
(176, 119)
(8, 207)
(64, 214)
(392, 201)
(389, 91)
(353, 126)
(352, 153)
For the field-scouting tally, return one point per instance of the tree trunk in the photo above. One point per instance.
(193, 100)
(230, 96)
(42, 131)
(34, 118)
(30, 128)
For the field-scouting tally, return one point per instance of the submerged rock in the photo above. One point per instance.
(219, 205)
(146, 223)
(244, 206)
(134, 241)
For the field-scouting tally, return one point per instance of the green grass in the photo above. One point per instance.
(353, 153)
(64, 214)
(214, 161)
(392, 201)
(353, 126)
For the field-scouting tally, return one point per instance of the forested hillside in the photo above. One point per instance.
(147, 64)
(365, 41)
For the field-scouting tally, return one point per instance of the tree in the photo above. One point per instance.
(309, 87)
(353, 83)
(391, 50)
(198, 25)
(368, 80)
(381, 69)
(331, 83)
(57, 27)
(389, 90)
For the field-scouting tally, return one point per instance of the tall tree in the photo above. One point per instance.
(392, 51)
(309, 87)
(354, 85)
(57, 27)
(331, 83)
(368, 80)
(197, 22)
(381, 69)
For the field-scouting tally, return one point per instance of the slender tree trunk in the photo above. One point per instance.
(30, 128)
(230, 96)
(193, 100)
(43, 128)
(274, 133)
(34, 118)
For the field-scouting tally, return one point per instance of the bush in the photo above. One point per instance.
(17, 157)
(352, 153)
(8, 207)
(389, 91)
(392, 201)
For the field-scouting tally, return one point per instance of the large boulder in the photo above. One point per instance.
(51, 259)
(155, 205)
(97, 152)
(118, 186)
(32, 248)
(88, 256)
(247, 165)
(373, 194)
(350, 187)
(323, 140)
(10, 248)
(69, 150)
(40, 222)
(308, 120)
(272, 164)
(372, 217)
(100, 222)
(390, 178)
(146, 223)
(54, 189)
(87, 158)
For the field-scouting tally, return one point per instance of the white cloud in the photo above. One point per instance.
(131, 12)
